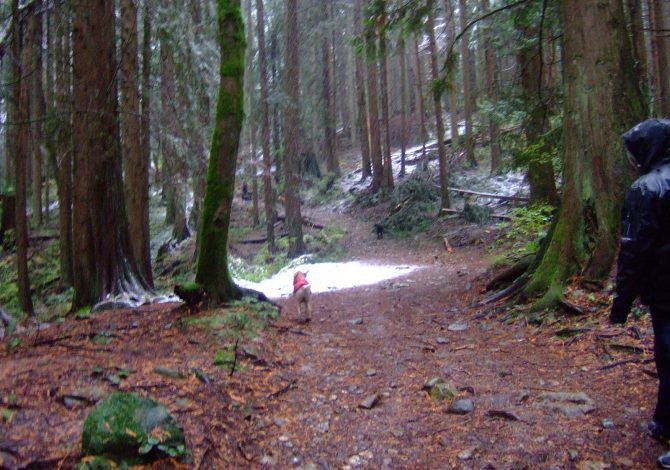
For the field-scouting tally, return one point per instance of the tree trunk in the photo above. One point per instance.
(175, 176)
(387, 167)
(492, 87)
(373, 115)
(135, 162)
(328, 96)
(468, 137)
(276, 127)
(268, 199)
(403, 103)
(104, 264)
(419, 91)
(250, 115)
(291, 122)
(442, 151)
(639, 49)
(452, 93)
(540, 171)
(212, 268)
(37, 107)
(64, 143)
(600, 80)
(362, 121)
(660, 50)
(21, 53)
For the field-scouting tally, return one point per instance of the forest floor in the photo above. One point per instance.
(346, 389)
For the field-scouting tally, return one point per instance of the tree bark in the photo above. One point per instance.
(660, 50)
(268, 199)
(175, 175)
(492, 87)
(328, 95)
(136, 164)
(212, 271)
(387, 166)
(441, 150)
(250, 115)
(291, 122)
(21, 54)
(420, 100)
(362, 120)
(64, 142)
(540, 171)
(403, 103)
(373, 114)
(468, 137)
(600, 80)
(37, 107)
(452, 93)
(639, 49)
(104, 264)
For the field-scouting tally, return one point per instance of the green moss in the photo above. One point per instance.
(127, 426)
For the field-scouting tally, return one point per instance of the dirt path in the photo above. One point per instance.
(295, 401)
(388, 340)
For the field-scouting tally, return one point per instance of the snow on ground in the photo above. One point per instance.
(328, 277)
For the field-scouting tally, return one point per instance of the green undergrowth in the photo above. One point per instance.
(522, 235)
(50, 299)
(412, 206)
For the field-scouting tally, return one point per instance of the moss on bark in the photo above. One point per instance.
(212, 268)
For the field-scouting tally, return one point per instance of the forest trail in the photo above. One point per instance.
(295, 401)
(382, 343)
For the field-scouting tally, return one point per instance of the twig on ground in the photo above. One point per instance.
(611, 365)
(285, 389)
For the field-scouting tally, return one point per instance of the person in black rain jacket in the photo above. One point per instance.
(644, 258)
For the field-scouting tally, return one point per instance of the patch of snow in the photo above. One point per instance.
(328, 277)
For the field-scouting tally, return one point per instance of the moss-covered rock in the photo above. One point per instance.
(127, 426)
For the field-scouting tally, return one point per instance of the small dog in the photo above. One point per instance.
(379, 228)
(302, 293)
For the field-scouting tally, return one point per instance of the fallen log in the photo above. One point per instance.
(489, 195)
(456, 211)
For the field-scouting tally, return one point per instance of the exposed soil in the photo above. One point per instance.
(295, 400)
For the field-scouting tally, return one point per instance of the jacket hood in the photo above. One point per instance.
(649, 143)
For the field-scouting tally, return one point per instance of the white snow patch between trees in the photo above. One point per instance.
(328, 277)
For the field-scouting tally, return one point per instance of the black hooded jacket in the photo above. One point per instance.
(644, 259)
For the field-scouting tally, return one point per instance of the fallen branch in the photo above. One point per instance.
(489, 195)
(456, 211)
(282, 390)
(612, 365)
(570, 307)
(249, 241)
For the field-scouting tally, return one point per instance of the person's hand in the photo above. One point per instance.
(619, 312)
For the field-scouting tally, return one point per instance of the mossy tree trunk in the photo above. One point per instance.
(212, 271)
(602, 100)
